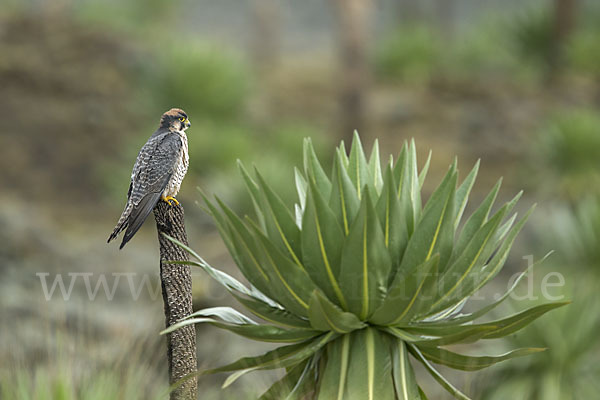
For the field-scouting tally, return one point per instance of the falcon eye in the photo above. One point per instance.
(182, 119)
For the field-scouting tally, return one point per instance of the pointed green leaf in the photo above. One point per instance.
(301, 187)
(254, 192)
(497, 262)
(227, 281)
(335, 375)
(365, 262)
(272, 314)
(427, 295)
(308, 380)
(464, 336)
(469, 335)
(293, 285)
(370, 367)
(314, 171)
(477, 219)
(471, 363)
(504, 229)
(400, 167)
(281, 357)
(343, 155)
(281, 224)
(409, 192)
(480, 277)
(475, 255)
(322, 241)
(402, 334)
(404, 377)
(221, 225)
(402, 295)
(235, 376)
(246, 250)
(251, 266)
(344, 198)
(298, 213)
(326, 316)
(424, 171)
(434, 230)
(285, 386)
(264, 333)
(375, 168)
(436, 375)
(393, 220)
(358, 167)
(226, 314)
(403, 175)
(514, 323)
(500, 327)
(412, 180)
(462, 193)
(461, 319)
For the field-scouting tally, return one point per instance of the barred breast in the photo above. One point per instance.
(181, 168)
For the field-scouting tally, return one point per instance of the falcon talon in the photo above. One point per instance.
(157, 174)
(168, 199)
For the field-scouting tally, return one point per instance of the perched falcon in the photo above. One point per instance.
(157, 174)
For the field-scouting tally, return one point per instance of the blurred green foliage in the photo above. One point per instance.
(64, 368)
(418, 54)
(480, 56)
(532, 36)
(408, 54)
(583, 50)
(575, 232)
(135, 17)
(205, 81)
(569, 148)
(582, 235)
(108, 383)
(568, 369)
(517, 47)
(530, 33)
(274, 149)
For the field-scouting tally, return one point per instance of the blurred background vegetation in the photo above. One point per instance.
(83, 84)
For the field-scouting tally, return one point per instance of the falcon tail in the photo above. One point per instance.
(136, 218)
(122, 223)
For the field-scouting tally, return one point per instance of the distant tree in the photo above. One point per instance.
(446, 13)
(409, 11)
(564, 20)
(353, 22)
(266, 36)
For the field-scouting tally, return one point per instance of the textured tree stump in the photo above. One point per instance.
(176, 282)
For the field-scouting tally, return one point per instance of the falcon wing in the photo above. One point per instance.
(154, 167)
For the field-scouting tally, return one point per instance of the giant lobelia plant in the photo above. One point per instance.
(360, 277)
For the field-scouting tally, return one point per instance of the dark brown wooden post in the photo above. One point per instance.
(176, 282)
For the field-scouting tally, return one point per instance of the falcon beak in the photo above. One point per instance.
(187, 123)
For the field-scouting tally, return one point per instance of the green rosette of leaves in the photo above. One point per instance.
(360, 278)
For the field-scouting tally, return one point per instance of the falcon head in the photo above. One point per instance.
(175, 119)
